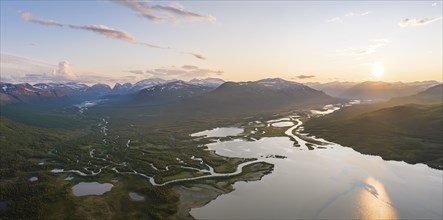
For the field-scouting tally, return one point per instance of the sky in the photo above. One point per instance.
(127, 41)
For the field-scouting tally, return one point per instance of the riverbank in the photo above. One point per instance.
(195, 195)
(410, 133)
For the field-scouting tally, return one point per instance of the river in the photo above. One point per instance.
(331, 181)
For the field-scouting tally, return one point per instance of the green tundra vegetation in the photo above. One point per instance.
(412, 133)
(35, 141)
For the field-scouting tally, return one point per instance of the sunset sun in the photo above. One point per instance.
(377, 72)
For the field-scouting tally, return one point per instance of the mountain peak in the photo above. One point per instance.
(209, 82)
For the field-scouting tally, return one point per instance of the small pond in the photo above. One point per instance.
(91, 188)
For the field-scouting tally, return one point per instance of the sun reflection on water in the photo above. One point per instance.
(374, 201)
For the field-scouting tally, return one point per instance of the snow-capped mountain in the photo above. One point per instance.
(175, 89)
(146, 83)
(149, 83)
(98, 90)
(122, 89)
(69, 89)
(25, 92)
(27, 89)
(208, 82)
(278, 83)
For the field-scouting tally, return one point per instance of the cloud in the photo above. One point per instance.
(138, 72)
(85, 78)
(13, 65)
(152, 45)
(174, 13)
(365, 13)
(416, 21)
(304, 76)
(94, 78)
(434, 4)
(364, 50)
(186, 72)
(28, 17)
(198, 56)
(336, 19)
(349, 14)
(17, 69)
(64, 72)
(189, 67)
(104, 31)
(60, 73)
(107, 32)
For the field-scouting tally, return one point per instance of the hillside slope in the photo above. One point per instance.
(429, 96)
(412, 133)
(379, 91)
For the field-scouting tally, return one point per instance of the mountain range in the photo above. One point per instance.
(265, 95)
(372, 90)
(27, 93)
(211, 94)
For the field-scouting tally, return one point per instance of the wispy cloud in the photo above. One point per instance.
(364, 50)
(107, 32)
(417, 21)
(104, 31)
(28, 17)
(365, 13)
(198, 56)
(351, 14)
(336, 19)
(304, 76)
(33, 78)
(339, 19)
(110, 80)
(174, 13)
(189, 67)
(434, 4)
(11, 65)
(185, 72)
(137, 72)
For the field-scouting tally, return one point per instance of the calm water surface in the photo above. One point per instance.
(219, 132)
(90, 188)
(335, 182)
(136, 197)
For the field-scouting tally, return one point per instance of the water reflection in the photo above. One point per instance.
(373, 201)
(90, 188)
(333, 183)
(219, 132)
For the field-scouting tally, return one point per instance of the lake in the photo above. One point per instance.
(136, 197)
(219, 132)
(90, 188)
(330, 181)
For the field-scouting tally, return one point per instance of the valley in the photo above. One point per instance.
(121, 153)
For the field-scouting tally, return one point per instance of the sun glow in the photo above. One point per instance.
(374, 201)
(377, 72)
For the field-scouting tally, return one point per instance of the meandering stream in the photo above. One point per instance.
(312, 178)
